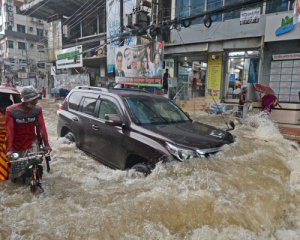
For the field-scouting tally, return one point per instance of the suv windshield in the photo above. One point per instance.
(154, 111)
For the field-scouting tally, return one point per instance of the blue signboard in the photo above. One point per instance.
(232, 77)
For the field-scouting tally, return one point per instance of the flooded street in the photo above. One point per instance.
(249, 190)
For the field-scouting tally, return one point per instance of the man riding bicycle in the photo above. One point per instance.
(21, 121)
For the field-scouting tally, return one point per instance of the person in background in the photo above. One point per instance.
(268, 102)
(242, 99)
(21, 123)
(44, 92)
(165, 80)
(194, 83)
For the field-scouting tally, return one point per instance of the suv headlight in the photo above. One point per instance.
(181, 153)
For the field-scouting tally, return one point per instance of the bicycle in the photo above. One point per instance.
(34, 166)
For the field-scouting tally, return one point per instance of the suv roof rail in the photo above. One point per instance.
(92, 88)
(132, 90)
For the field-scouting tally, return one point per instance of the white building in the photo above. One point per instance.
(23, 42)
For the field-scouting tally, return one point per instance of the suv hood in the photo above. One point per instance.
(193, 134)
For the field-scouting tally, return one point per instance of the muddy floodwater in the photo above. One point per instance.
(249, 190)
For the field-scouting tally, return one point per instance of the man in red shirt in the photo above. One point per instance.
(21, 121)
(242, 99)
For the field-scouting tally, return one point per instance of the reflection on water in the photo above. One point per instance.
(250, 190)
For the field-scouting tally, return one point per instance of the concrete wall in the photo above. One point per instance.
(219, 31)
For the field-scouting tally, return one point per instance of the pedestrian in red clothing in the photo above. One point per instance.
(44, 92)
(21, 121)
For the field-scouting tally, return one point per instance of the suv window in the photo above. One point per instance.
(88, 105)
(107, 107)
(74, 100)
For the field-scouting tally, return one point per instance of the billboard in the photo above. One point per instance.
(113, 28)
(140, 65)
(65, 58)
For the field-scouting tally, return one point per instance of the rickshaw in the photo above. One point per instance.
(34, 168)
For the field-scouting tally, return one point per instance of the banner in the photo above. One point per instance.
(113, 28)
(214, 72)
(65, 58)
(253, 70)
(140, 65)
(250, 16)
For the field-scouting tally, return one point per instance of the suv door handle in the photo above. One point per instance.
(75, 119)
(95, 127)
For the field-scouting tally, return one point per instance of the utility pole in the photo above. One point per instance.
(121, 21)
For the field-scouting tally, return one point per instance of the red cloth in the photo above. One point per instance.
(267, 102)
(194, 84)
(44, 92)
(21, 136)
(242, 98)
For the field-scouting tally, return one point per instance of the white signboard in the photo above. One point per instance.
(250, 16)
(69, 57)
(10, 13)
(53, 71)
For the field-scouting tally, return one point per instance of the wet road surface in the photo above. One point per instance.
(249, 190)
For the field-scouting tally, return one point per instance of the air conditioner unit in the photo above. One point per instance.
(41, 22)
(32, 19)
(30, 29)
(31, 45)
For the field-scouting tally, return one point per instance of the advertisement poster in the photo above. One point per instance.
(287, 66)
(67, 58)
(253, 70)
(214, 71)
(113, 28)
(140, 65)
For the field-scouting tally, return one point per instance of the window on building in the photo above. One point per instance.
(0, 10)
(40, 32)
(22, 62)
(292, 5)
(10, 44)
(18, 10)
(2, 47)
(41, 48)
(21, 46)
(9, 28)
(213, 4)
(0, 28)
(186, 8)
(277, 6)
(20, 28)
(237, 13)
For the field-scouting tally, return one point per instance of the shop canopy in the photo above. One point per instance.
(43, 9)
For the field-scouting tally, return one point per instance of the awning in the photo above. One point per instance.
(94, 62)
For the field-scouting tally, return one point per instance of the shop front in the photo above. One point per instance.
(242, 67)
(282, 65)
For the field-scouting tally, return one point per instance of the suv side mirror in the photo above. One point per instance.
(113, 120)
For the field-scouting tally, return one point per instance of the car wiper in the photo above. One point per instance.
(132, 114)
(154, 111)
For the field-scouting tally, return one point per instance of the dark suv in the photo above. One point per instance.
(125, 128)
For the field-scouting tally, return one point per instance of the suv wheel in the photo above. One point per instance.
(70, 137)
(142, 168)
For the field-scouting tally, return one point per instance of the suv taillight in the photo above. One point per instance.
(60, 108)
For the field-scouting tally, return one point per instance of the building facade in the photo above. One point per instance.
(23, 45)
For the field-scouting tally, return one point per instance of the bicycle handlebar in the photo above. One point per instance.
(37, 155)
